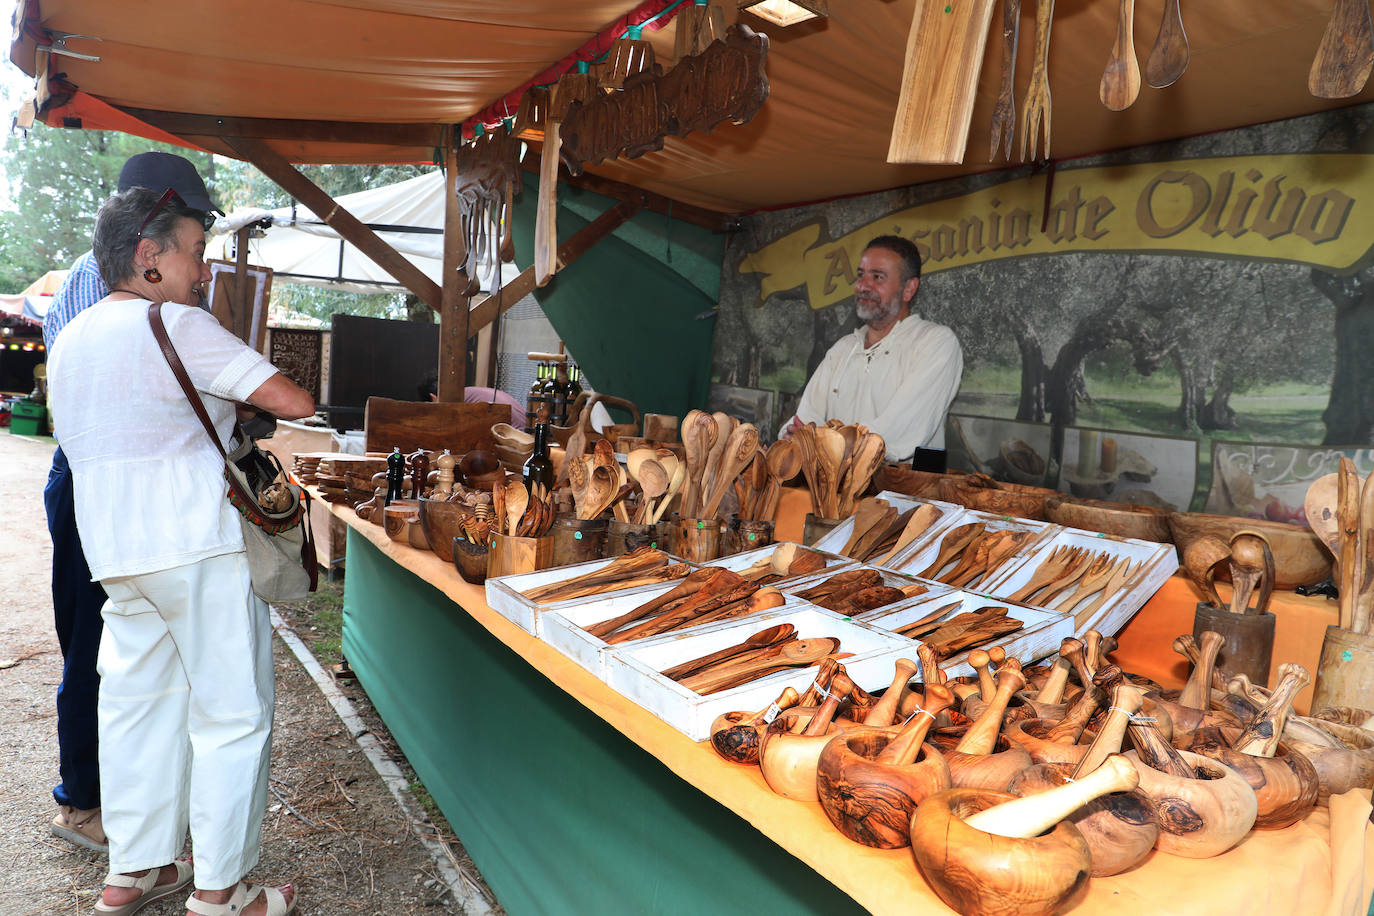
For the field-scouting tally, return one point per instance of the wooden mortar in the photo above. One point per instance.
(1339, 769)
(1033, 735)
(1200, 817)
(1286, 784)
(788, 760)
(736, 736)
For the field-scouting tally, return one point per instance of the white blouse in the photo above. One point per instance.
(149, 486)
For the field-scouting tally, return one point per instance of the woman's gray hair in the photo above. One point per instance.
(117, 235)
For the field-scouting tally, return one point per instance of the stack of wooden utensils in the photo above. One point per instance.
(521, 512)
(766, 652)
(1342, 515)
(880, 532)
(858, 591)
(645, 566)
(963, 631)
(1075, 574)
(974, 552)
(838, 462)
(718, 450)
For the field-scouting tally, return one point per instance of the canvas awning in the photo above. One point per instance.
(374, 80)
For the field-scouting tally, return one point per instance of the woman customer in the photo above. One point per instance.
(186, 694)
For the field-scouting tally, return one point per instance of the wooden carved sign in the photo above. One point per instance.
(727, 80)
(488, 177)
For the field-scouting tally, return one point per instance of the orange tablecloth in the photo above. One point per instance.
(1282, 871)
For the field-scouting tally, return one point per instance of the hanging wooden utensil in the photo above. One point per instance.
(1169, 57)
(1121, 80)
(1348, 523)
(577, 86)
(1036, 108)
(944, 55)
(1363, 613)
(1346, 53)
(1004, 115)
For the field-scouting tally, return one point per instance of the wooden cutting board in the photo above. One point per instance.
(944, 55)
(409, 425)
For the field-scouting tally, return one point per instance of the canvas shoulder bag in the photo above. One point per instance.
(273, 510)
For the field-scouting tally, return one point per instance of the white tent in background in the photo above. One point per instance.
(299, 247)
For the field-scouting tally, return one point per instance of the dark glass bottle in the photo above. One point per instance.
(549, 382)
(535, 399)
(574, 384)
(559, 415)
(539, 466)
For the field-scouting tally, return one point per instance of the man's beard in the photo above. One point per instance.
(870, 311)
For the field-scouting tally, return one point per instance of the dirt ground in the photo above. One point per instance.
(333, 828)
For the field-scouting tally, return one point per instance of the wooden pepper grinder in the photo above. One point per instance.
(395, 476)
(419, 472)
(444, 486)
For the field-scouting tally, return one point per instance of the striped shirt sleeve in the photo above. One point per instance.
(82, 289)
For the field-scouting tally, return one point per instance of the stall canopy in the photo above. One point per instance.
(373, 80)
(30, 307)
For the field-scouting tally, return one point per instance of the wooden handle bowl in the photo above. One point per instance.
(1198, 818)
(735, 740)
(872, 802)
(1339, 769)
(788, 761)
(982, 771)
(1285, 785)
(1147, 523)
(1032, 734)
(977, 872)
(1300, 558)
(1120, 829)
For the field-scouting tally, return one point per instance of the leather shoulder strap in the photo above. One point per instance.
(169, 352)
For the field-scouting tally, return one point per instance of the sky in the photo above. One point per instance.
(15, 85)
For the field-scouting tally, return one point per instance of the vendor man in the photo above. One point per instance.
(897, 373)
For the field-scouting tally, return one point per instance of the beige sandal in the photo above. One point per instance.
(243, 895)
(80, 827)
(149, 889)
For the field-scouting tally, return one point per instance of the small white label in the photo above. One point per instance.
(774, 710)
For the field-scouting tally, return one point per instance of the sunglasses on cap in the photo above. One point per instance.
(207, 219)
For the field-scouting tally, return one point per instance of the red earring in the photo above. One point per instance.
(152, 275)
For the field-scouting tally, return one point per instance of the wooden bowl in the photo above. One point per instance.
(1022, 463)
(735, 741)
(1198, 818)
(1300, 558)
(395, 516)
(872, 802)
(1285, 785)
(1032, 735)
(442, 522)
(901, 479)
(788, 761)
(1005, 499)
(470, 560)
(1126, 520)
(1339, 769)
(977, 872)
(993, 771)
(1120, 828)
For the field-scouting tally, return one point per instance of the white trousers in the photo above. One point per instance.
(186, 698)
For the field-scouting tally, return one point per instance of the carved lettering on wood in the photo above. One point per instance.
(727, 80)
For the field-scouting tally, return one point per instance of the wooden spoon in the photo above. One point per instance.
(954, 541)
(602, 488)
(761, 640)
(799, 653)
(653, 483)
(517, 501)
(867, 457)
(674, 486)
(1121, 80)
(830, 455)
(867, 514)
(737, 453)
(917, 525)
(1346, 53)
(1169, 57)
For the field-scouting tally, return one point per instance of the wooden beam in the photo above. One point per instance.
(486, 311)
(656, 203)
(429, 136)
(453, 318)
(241, 284)
(275, 167)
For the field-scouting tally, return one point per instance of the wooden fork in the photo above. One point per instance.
(1004, 115)
(1060, 561)
(1070, 577)
(1035, 110)
(1094, 578)
(1122, 574)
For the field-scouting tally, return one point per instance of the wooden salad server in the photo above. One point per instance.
(869, 782)
(1121, 80)
(1169, 56)
(788, 760)
(1060, 562)
(917, 524)
(1036, 106)
(954, 541)
(693, 582)
(1346, 53)
(735, 736)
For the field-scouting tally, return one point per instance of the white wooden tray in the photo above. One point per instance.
(1156, 563)
(1039, 636)
(835, 539)
(634, 671)
(894, 579)
(738, 562)
(505, 594)
(921, 554)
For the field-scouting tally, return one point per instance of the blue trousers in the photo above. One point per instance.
(76, 602)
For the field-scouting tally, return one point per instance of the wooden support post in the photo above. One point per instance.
(274, 166)
(243, 290)
(453, 318)
(572, 249)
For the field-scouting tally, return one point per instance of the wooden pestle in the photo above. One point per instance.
(1197, 693)
(882, 712)
(1261, 737)
(979, 660)
(997, 655)
(1187, 646)
(930, 665)
(1052, 691)
(903, 749)
(840, 685)
(1126, 701)
(820, 683)
(1032, 815)
(1071, 650)
(1068, 730)
(1155, 752)
(981, 737)
(1092, 650)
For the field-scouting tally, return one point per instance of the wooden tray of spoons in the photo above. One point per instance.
(637, 671)
(862, 591)
(837, 538)
(973, 550)
(1100, 579)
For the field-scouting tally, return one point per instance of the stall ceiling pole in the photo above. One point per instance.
(485, 312)
(275, 167)
(192, 126)
(453, 317)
